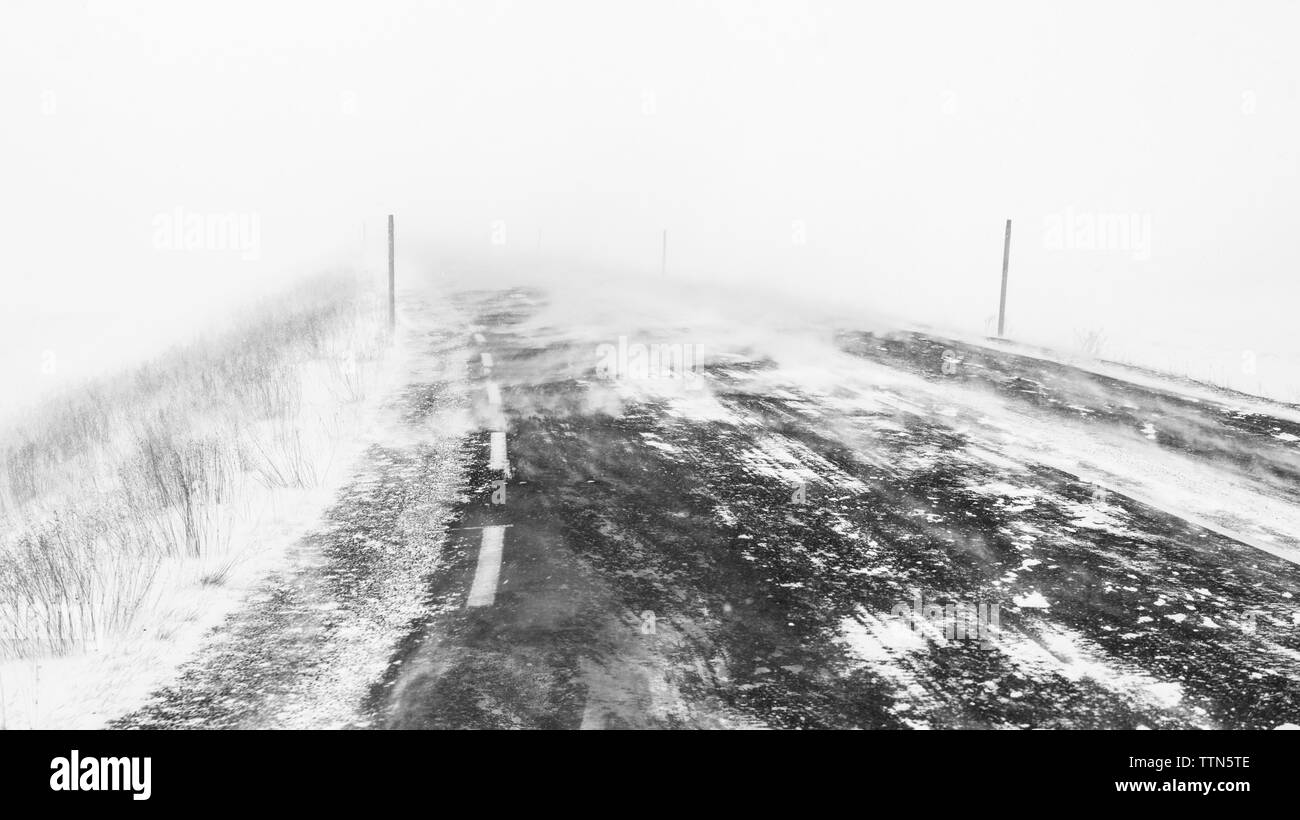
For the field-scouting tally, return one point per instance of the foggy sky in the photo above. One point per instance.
(834, 149)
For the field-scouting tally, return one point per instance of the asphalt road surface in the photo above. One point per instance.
(807, 528)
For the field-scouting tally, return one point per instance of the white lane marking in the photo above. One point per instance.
(484, 590)
(497, 460)
(494, 394)
(487, 359)
(478, 337)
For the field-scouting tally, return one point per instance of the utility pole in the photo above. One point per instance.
(1002, 302)
(663, 258)
(392, 279)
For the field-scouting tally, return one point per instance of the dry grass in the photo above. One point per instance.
(105, 484)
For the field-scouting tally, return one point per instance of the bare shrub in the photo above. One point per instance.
(105, 484)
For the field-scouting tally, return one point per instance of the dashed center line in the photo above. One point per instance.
(484, 590)
(497, 459)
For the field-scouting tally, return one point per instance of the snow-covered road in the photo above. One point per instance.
(808, 529)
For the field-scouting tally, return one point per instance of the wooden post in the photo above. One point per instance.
(392, 279)
(1002, 302)
(663, 258)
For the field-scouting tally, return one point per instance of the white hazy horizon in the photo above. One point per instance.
(850, 152)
